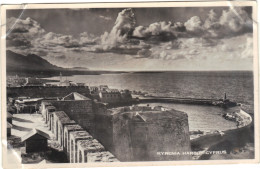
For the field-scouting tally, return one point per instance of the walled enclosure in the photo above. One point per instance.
(138, 133)
(78, 108)
(68, 134)
(131, 133)
(45, 92)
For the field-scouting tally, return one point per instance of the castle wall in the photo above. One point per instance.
(43, 91)
(74, 138)
(78, 110)
(141, 139)
(103, 125)
(121, 130)
(67, 130)
(104, 130)
(131, 134)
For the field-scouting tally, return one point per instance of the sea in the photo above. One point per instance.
(238, 86)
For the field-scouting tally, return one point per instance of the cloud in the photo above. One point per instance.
(248, 51)
(165, 40)
(226, 48)
(28, 26)
(18, 42)
(232, 22)
(144, 53)
(105, 17)
(21, 32)
(53, 39)
(60, 57)
(159, 31)
(123, 27)
(194, 24)
(236, 19)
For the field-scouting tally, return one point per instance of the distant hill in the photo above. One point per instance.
(78, 68)
(16, 62)
(33, 65)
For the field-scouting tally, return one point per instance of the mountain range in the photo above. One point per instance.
(34, 65)
(16, 62)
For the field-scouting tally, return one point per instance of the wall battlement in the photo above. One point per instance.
(75, 141)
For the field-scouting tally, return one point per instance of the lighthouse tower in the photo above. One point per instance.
(225, 96)
(60, 78)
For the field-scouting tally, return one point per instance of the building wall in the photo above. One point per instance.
(79, 110)
(110, 97)
(36, 145)
(104, 130)
(121, 128)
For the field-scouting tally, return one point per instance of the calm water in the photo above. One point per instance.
(237, 85)
(205, 118)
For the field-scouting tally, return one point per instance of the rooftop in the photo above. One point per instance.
(110, 91)
(28, 100)
(148, 114)
(9, 115)
(34, 132)
(75, 96)
(9, 125)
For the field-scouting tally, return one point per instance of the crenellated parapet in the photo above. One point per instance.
(74, 140)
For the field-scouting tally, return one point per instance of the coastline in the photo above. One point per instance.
(232, 140)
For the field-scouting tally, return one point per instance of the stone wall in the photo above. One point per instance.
(139, 133)
(78, 110)
(67, 130)
(130, 133)
(41, 91)
(79, 145)
(140, 136)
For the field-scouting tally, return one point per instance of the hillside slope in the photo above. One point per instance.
(17, 62)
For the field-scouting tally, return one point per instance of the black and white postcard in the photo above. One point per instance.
(102, 84)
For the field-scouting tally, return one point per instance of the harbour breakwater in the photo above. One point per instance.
(225, 103)
(228, 140)
(198, 101)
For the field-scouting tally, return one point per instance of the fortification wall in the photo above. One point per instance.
(137, 140)
(104, 130)
(41, 91)
(79, 110)
(121, 129)
(78, 143)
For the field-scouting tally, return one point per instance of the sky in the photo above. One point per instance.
(136, 39)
